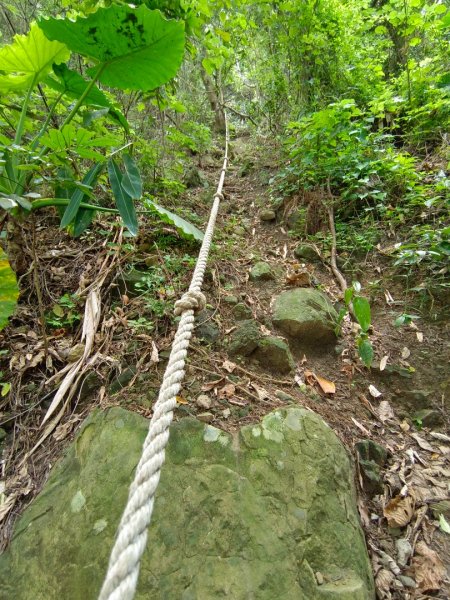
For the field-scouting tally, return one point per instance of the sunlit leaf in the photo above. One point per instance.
(9, 291)
(184, 227)
(361, 308)
(365, 351)
(137, 49)
(29, 58)
(131, 181)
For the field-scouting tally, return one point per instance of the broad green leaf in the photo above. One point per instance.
(365, 350)
(131, 181)
(76, 139)
(73, 85)
(78, 195)
(29, 58)
(83, 219)
(361, 308)
(123, 200)
(136, 49)
(9, 291)
(348, 295)
(184, 227)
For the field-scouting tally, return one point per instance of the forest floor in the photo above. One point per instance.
(410, 370)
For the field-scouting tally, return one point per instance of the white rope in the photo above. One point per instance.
(123, 569)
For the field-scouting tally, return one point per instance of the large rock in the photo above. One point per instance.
(305, 314)
(244, 339)
(274, 354)
(261, 271)
(267, 513)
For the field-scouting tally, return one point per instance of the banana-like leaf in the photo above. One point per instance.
(82, 221)
(186, 229)
(73, 85)
(131, 181)
(77, 197)
(9, 291)
(29, 58)
(124, 202)
(135, 49)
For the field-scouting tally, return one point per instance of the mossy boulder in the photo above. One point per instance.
(260, 514)
(244, 339)
(274, 354)
(307, 315)
(262, 271)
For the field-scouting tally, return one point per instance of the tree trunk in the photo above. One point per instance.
(214, 101)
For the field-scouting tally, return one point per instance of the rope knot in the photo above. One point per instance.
(219, 195)
(191, 300)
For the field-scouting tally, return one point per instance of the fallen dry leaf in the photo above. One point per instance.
(228, 366)
(154, 358)
(361, 427)
(429, 568)
(406, 352)
(262, 393)
(383, 362)
(328, 387)
(422, 443)
(206, 387)
(181, 400)
(374, 392)
(383, 581)
(227, 391)
(419, 336)
(299, 278)
(385, 412)
(399, 511)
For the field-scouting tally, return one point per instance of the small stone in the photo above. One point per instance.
(205, 417)
(319, 578)
(75, 353)
(241, 312)
(407, 581)
(371, 475)
(261, 271)
(274, 354)
(206, 329)
(204, 401)
(370, 450)
(283, 396)
(151, 261)
(416, 399)
(231, 300)
(244, 339)
(267, 215)
(306, 252)
(226, 413)
(428, 417)
(239, 231)
(122, 380)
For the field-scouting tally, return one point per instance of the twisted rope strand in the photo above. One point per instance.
(123, 569)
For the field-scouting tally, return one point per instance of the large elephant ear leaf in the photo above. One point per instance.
(72, 84)
(186, 229)
(29, 59)
(135, 49)
(9, 291)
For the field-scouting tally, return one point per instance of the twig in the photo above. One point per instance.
(239, 114)
(37, 286)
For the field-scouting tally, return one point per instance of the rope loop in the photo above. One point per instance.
(219, 195)
(191, 300)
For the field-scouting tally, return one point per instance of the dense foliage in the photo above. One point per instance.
(102, 107)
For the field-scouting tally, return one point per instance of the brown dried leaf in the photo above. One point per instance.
(383, 581)
(399, 511)
(328, 387)
(262, 393)
(385, 412)
(229, 366)
(181, 400)
(422, 443)
(383, 362)
(207, 387)
(154, 358)
(429, 568)
(299, 278)
(227, 391)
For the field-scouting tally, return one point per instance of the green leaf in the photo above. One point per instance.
(184, 227)
(348, 295)
(123, 200)
(443, 524)
(131, 181)
(29, 59)
(76, 139)
(365, 351)
(361, 308)
(78, 195)
(83, 219)
(73, 85)
(138, 49)
(9, 291)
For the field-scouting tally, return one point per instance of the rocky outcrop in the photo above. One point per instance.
(268, 513)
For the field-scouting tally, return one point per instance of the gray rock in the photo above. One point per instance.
(306, 252)
(274, 354)
(239, 231)
(231, 300)
(261, 271)
(283, 396)
(122, 380)
(306, 315)
(262, 512)
(241, 311)
(429, 417)
(370, 450)
(416, 399)
(297, 220)
(206, 417)
(244, 339)
(267, 215)
(206, 329)
(204, 401)
(192, 178)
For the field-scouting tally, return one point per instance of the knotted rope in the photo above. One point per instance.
(123, 569)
